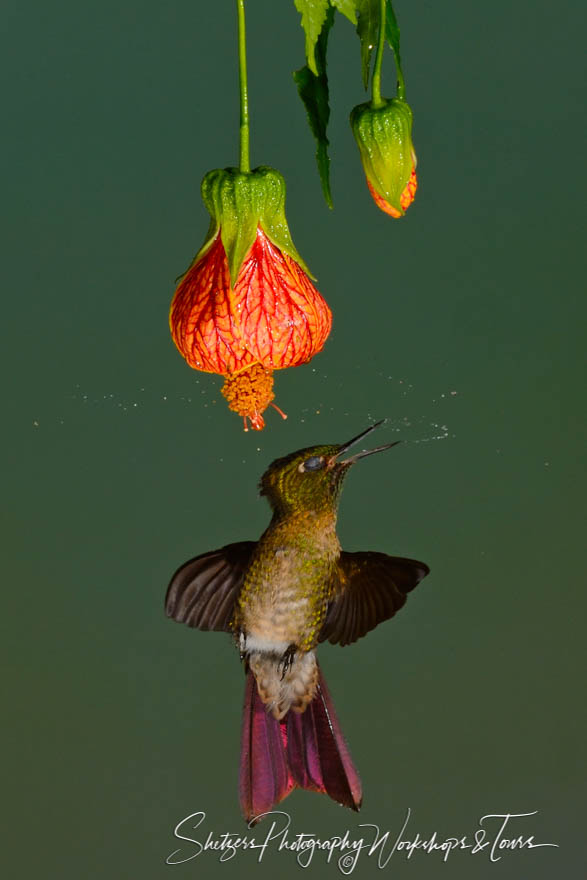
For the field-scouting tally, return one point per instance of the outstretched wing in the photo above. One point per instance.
(371, 588)
(203, 591)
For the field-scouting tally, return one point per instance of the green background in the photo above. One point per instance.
(460, 324)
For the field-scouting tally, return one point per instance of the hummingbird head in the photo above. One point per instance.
(311, 478)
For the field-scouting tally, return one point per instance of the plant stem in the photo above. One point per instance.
(244, 163)
(377, 100)
(401, 86)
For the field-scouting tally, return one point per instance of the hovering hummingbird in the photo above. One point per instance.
(280, 597)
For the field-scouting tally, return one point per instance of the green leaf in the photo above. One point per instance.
(313, 90)
(348, 8)
(368, 31)
(392, 29)
(392, 34)
(313, 14)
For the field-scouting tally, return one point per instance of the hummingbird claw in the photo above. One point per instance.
(287, 660)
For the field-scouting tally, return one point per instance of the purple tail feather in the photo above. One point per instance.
(303, 750)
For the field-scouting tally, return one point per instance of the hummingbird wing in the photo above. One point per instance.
(371, 587)
(203, 591)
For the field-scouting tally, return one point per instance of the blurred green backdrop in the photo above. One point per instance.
(461, 324)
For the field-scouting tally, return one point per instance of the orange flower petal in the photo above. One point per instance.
(283, 318)
(409, 194)
(202, 321)
(275, 316)
(406, 198)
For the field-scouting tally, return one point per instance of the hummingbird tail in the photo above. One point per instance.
(303, 750)
(264, 777)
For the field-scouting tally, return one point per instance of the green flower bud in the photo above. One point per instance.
(384, 138)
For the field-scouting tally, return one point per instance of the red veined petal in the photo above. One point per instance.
(406, 198)
(203, 324)
(283, 318)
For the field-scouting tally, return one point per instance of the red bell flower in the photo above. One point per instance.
(246, 306)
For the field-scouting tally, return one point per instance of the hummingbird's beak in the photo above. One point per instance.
(364, 452)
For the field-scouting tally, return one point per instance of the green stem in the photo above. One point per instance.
(377, 100)
(244, 163)
(401, 86)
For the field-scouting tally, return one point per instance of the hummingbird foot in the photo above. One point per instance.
(287, 660)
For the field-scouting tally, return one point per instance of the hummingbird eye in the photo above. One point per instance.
(314, 463)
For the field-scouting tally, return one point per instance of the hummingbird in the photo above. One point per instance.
(279, 598)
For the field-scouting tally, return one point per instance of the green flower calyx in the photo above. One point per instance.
(239, 203)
